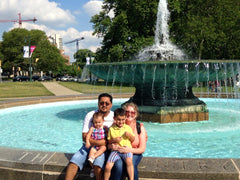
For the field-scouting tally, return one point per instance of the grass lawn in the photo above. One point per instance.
(31, 89)
(23, 89)
(100, 87)
(86, 88)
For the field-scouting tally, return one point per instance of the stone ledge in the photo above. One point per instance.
(7, 103)
(28, 165)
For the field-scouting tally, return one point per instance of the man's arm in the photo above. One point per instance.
(102, 142)
(84, 137)
(94, 142)
(87, 125)
(88, 136)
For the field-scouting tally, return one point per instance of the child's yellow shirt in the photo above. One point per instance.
(115, 131)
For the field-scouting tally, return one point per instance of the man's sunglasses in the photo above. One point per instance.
(102, 103)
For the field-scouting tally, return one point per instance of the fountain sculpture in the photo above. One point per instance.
(163, 78)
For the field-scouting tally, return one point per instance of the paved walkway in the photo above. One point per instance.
(59, 90)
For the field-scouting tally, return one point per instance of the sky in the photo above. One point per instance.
(69, 18)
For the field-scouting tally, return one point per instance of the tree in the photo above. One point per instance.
(204, 29)
(49, 56)
(81, 55)
(12, 49)
(126, 33)
(80, 62)
(1, 55)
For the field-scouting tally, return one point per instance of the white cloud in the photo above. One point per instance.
(50, 18)
(89, 41)
(93, 7)
(48, 13)
(77, 12)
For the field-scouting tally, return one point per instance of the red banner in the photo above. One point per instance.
(31, 50)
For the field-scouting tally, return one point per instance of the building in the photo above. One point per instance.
(57, 40)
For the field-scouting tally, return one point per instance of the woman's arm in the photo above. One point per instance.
(113, 147)
(142, 142)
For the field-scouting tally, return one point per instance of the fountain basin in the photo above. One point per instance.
(164, 88)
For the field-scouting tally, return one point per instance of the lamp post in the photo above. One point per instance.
(29, 56)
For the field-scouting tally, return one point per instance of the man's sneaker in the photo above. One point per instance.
(92, 173)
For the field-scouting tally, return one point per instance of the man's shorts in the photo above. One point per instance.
(81, 157)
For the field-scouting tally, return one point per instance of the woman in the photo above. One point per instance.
(138, 145)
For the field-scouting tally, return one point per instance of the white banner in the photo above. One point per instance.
(25, 51)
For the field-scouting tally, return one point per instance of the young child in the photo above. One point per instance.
(97, 132)
(121, 134)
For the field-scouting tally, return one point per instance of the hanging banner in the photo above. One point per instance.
(25, 51)
(31, 50)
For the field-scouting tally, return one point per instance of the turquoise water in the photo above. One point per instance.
(58, 126)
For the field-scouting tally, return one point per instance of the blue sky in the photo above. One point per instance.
(69, 18)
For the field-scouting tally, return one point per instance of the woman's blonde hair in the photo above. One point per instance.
(135, 107)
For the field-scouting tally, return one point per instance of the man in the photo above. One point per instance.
(79, 158)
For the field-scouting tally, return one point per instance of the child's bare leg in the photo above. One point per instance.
(130, 168)
(107, 171)
(91, 155)
(92, 152)
(100, 151)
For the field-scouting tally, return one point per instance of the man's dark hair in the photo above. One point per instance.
(105, 95)
(119, 112)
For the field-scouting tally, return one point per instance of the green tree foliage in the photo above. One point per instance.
(12, 48)
(80, 62)
(49, 57)
(12, 51)
(131, 28)
(81, 55)
(1, 55)
(204, 29)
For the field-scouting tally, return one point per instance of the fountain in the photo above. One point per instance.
(162, 49)
(163, 77)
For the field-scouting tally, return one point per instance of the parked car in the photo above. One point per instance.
(21, 78)
(58, 78)
(91, 80)
(35, 77)
(77, 79)
(70, 78)
(67, 78)
(64, 78)
(45, 78)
